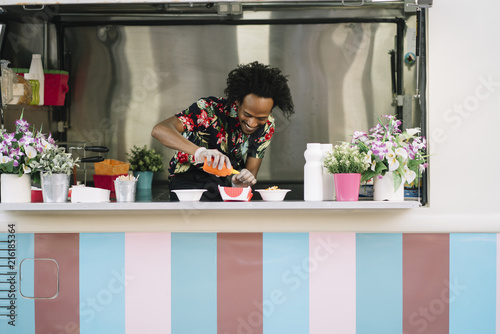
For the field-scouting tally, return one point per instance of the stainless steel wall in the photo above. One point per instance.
(125, 79)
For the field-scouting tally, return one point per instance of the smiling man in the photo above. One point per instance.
(235, 130)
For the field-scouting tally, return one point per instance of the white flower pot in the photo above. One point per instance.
(383, 189)
(55, 188)
(15, 189)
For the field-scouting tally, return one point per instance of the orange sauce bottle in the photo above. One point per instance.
(219, 172)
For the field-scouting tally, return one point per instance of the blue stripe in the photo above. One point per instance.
(472, 283)
(379, 283)
(194, 283)
(102, 283)
(286, 283)
(25, 318)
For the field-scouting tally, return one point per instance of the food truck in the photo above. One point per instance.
(93, 263)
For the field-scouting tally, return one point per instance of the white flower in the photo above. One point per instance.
(368, 157)
(413, 131)
(26, 169)
(30, 151)
(409, 175)
(392, 160)
(401, 152)
(4, 159)
(44, 143)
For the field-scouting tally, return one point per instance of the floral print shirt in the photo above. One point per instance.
(210, 123)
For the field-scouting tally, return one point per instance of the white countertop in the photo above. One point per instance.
(252, 205)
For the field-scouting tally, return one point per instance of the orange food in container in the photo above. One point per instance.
(107, 171)
(111, 167)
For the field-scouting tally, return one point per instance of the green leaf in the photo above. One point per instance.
(397, 180)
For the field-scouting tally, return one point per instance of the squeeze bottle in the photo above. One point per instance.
(36, 73)
(313, 173)
(328, 182)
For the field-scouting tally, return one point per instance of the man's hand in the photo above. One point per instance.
(214, 158)
(244, 179)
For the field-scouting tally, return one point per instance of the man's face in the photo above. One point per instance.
(253, 112)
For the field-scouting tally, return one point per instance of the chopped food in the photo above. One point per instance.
(273, 188)
(126, 178)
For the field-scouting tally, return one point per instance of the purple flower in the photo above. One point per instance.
(395, 126)
(420, 143)
(50, 139)
(26, 140)
(377, 129)
(22, 125)
(412, 150)
(15, 153)
(9, 138)
(4, 148)
(389, 117)
(380, 149)
(359, 135)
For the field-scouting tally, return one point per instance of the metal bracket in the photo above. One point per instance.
(353, 3)
(33, 8)
(229, 8)
(420, 4)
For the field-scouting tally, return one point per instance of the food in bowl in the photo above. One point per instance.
(273, 188)
(273, 195)
(189, 195)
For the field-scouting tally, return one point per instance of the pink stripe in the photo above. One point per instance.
(332, 283)
(147, 294)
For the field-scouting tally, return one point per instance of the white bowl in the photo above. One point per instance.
(273, 195)
(189, 195)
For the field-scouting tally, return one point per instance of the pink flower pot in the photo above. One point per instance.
(347, 186)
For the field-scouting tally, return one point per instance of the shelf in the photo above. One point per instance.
(252, 205)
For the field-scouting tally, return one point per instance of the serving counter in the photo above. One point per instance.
(209, 206)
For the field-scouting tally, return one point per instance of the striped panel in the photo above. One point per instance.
(24, 321)
(332, 282)
(472, 283)
(379, 283)
(59, 314)
(286, 282)
(498, 285)
(194, 283)
(102, 283)
(425, 283)
(147, 295)
(239, 283)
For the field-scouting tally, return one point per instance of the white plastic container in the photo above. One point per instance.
(83, 194)
(328, 182)
(313, 173)
(36, 73)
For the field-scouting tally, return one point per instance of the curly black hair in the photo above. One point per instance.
(261, 80)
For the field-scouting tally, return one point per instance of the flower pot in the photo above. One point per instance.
(15, 188)
(55, 188)
(347, 186)
(383, 188)
(144, 179)
(143, 195)
(125, 190)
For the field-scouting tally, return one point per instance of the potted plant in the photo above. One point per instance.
(346, 162)
(396, 157)
(54, 167)
(17, 151)
(144, 163)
